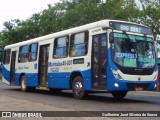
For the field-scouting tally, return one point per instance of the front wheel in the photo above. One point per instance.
(78, 88)
(119, 94)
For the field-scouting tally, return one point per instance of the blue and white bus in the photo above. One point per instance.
(105, 56)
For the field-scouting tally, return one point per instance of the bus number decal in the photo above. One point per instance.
(78, 61)
(22, 67)
(67, 62)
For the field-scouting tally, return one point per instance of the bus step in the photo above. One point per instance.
(43, 88)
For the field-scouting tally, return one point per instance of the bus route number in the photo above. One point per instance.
(130, 28)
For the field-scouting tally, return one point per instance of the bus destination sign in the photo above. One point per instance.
(130, 28)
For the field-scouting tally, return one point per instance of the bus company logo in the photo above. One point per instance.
(6, 114)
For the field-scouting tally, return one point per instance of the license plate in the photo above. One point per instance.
(139, 88)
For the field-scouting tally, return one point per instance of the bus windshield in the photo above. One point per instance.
(133, 51)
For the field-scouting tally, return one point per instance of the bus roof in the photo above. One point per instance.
(101, 23)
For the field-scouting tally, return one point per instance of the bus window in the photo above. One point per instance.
(23, 54)
(7, 54)
(60, 47)
(33, 48)
(79, 44)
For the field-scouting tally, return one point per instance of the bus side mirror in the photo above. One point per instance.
(111, 38)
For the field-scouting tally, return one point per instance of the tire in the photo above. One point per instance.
(119, 94)
(78, 88)
(23, 83)
(24, 86)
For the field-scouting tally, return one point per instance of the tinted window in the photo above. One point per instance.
(60, 47)
(79, 44)
(33, 52)
(23, 54)
(7, 54)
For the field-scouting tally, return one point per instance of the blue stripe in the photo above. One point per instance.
(55, 80)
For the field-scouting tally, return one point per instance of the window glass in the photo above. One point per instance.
(23, 54)
(7, 54)
(24, 49)
(33, 52)
(133, 51)
(62, 42)
(60, 47)
(79, 44)
(34, 47)
(79, 38)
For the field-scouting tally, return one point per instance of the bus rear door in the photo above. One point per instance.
(12, 68)
(43, 65)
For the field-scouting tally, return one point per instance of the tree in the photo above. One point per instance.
(72, 13)
(150, 15)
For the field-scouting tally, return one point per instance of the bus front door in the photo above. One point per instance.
(12, 68)
(99, 62)
(43, 66)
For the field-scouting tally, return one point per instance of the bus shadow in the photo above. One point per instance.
(101, 97)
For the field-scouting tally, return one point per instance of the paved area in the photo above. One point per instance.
(14, 103)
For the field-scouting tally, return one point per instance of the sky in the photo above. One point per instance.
(21, 9)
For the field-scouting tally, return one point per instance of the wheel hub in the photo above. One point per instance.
(78, 87)
(23, 84)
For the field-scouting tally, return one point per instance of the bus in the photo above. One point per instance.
(109, 56)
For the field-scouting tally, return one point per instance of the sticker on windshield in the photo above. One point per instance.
(125, 55)
(149, 60)
(130, 62)
(133, 37)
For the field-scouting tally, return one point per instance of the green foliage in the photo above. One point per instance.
(72, 13)
(150, 15)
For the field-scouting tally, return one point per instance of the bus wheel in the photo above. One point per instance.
(119, 94)
(23, 83)
(24, 86)
(78, 88)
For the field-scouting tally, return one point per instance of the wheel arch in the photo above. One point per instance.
(73, 75)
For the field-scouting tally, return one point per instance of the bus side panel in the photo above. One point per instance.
(32, 79)
(87, 79)
(58, 80)
(62, 80)
(17, 79)
(5, 74)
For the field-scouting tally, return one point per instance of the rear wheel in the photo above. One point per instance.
(23, 83)
(24, 87)
(119, 94)
(78, 88)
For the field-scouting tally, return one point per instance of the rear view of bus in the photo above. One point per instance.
(132, 65)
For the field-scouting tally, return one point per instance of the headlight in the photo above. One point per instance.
(116, 74)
